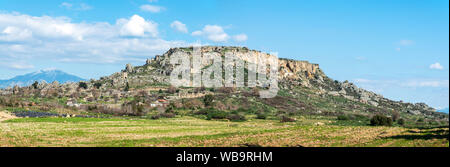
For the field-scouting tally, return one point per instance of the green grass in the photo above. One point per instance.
(191, 131)
(61, 120)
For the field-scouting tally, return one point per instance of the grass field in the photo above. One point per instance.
(190, 131)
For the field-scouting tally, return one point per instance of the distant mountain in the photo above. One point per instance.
(445, 110)
(43, 75)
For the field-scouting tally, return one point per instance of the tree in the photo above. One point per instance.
(98, 85)
(401, 121)
(83, 85)
(380, 120)
(127, 87)
(170, 108)
(208, 100)
(35, 84)
(395, 116)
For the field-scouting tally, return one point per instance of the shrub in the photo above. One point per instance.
(83, 85)
(216, 114)
(167, 115)
(193, 104)
(170, 108)
(287, 119)
(343, 117)
(401, 121)
(236, 117)
(156, 116)
(421, 120)
(35, 84)
(395, 116)
(261, 116)
(249, 110)
(208, 100)
(127, 87)
(226, 90)
(380, 120)
(201, 112)
(220, 106)
(98, 85)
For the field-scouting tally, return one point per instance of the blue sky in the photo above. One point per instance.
(399, 48)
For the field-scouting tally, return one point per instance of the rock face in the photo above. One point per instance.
(288, 69)
(148, 62)
(129, 68)
(292, 69)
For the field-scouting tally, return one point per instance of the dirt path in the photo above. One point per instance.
(4, 115)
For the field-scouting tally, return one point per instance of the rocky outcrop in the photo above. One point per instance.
(129, 68)
(293, 69)
(156, 72)
(288, 69)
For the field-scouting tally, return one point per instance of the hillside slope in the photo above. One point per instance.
(304, 90)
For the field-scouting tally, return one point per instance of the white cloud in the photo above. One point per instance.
(18, 27)
(426, 83)
(197, 33)
(410, 83)
(66, 5)
(152, 8)
(406, 42)
(17, 65)
(240, 37)
(30, 38)
(77, 7)
(11, 33)
(21, 66)
(213, 32)
(436, 66)
(84, 6)
(179, 26)
(362, 80)
(138, 26)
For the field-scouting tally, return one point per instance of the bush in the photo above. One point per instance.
(343, 117)
(193, 104)
(287, 119)
(216, 114)
(250, 110)
(236, 117)
(380, 120)
(167, 115)
(98, 85)
(226, 90)
(156, 116)
(395, 116)
(127, 87)
(401, 121)
(421, 120)
(83, 85)
(208, 100)
(35, 84)
(170, 108)
(261, 116)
